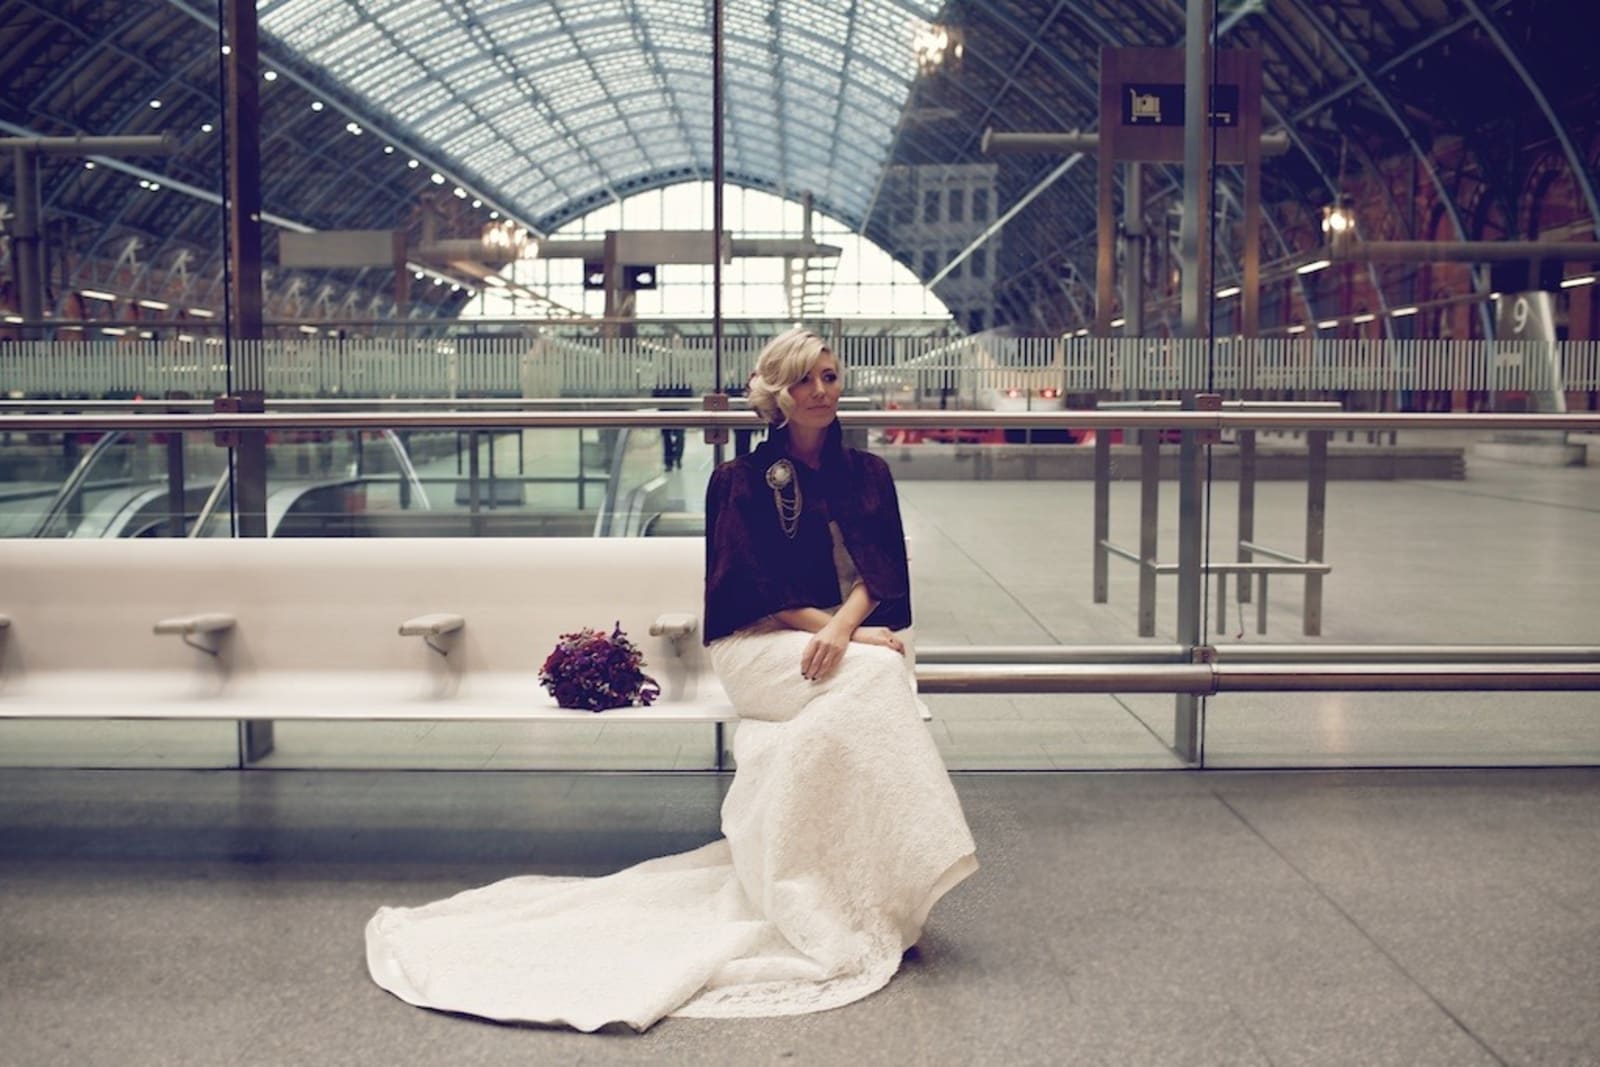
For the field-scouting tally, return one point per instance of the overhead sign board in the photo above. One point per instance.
(337, 248)
(1142, 104)
(1161, 104)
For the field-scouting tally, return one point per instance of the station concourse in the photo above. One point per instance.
(1253, 343)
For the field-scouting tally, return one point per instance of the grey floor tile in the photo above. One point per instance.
(1172, 918)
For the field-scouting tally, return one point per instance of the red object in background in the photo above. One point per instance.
(1086, 437)
(899, 435)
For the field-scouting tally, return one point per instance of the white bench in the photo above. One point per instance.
(328, 629)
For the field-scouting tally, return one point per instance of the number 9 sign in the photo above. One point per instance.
(1519, 314)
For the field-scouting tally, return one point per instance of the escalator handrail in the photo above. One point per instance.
(75, 481)
(212, 500)
(408, 471)
(608, 503)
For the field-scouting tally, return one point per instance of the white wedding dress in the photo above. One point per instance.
(842, 830)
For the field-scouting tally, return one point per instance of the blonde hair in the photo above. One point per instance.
(786, 359)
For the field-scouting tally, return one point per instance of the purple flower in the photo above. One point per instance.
(592, 670)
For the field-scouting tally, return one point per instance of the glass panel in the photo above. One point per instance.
(1435, 539)
(1402, 729)
(1005, 560)
(103, 485)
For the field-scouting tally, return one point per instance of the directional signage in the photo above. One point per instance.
(1142, 104)
(1161, 104)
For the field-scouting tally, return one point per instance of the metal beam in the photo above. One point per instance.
(1011, 212)
(998, 143)
(154, 145)
(1389, 108)
(1359, 251)
(369, 122)
(1575, 162)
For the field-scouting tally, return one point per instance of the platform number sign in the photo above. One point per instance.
(1525, 317)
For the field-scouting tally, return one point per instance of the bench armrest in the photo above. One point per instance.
(432, 625)
(677, 624)
(204, 623)
(429, 627)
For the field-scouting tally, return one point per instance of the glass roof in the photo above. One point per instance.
(552, 104)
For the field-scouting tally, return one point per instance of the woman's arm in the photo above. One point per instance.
(857, 606)
(831, 631)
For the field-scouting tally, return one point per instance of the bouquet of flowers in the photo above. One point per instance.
(594, 671)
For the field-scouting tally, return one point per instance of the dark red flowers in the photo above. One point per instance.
(593, 671)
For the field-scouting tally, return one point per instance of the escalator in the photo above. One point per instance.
(350, 483)
(122, 485)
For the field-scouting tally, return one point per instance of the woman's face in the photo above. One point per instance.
(816, 396)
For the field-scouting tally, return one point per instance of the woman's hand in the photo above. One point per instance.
(824, 650)
(878, 635)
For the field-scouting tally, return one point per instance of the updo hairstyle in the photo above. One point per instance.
(786, 359)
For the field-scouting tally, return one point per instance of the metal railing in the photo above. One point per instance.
(147, 417)
(965, 368)
(1311, 567)
(1207, 670)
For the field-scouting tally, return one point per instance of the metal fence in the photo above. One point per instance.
(969, 369)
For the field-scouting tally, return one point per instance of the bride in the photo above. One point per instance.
(841, 827)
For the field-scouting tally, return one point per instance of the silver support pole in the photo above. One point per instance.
(1133, 250)
(1301, 655)
(1091, 654)
(474, 486)
(1149, 504)
(1407, 678)
(1316, 523)
(1102, 515)
(1191, 582)
(26, 252)
(1194, 235)
(1195, 245)
(1065, 678)
(719, 387)
(1198, 680)
(1247, 505)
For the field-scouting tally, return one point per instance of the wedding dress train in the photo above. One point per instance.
(842, 831)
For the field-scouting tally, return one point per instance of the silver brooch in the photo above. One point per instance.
(785, 495)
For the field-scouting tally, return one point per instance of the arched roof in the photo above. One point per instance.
(544, 109)
(557, 106)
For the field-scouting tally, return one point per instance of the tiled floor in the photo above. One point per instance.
(1375, 917)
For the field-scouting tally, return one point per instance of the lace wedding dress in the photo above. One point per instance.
(842, 831)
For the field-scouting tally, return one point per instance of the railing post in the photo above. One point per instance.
(1149, 505)
(1191, 579)
(474, 499)
(1316, 523)
(1247, 505)
(1102, 515)
(177, 496)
